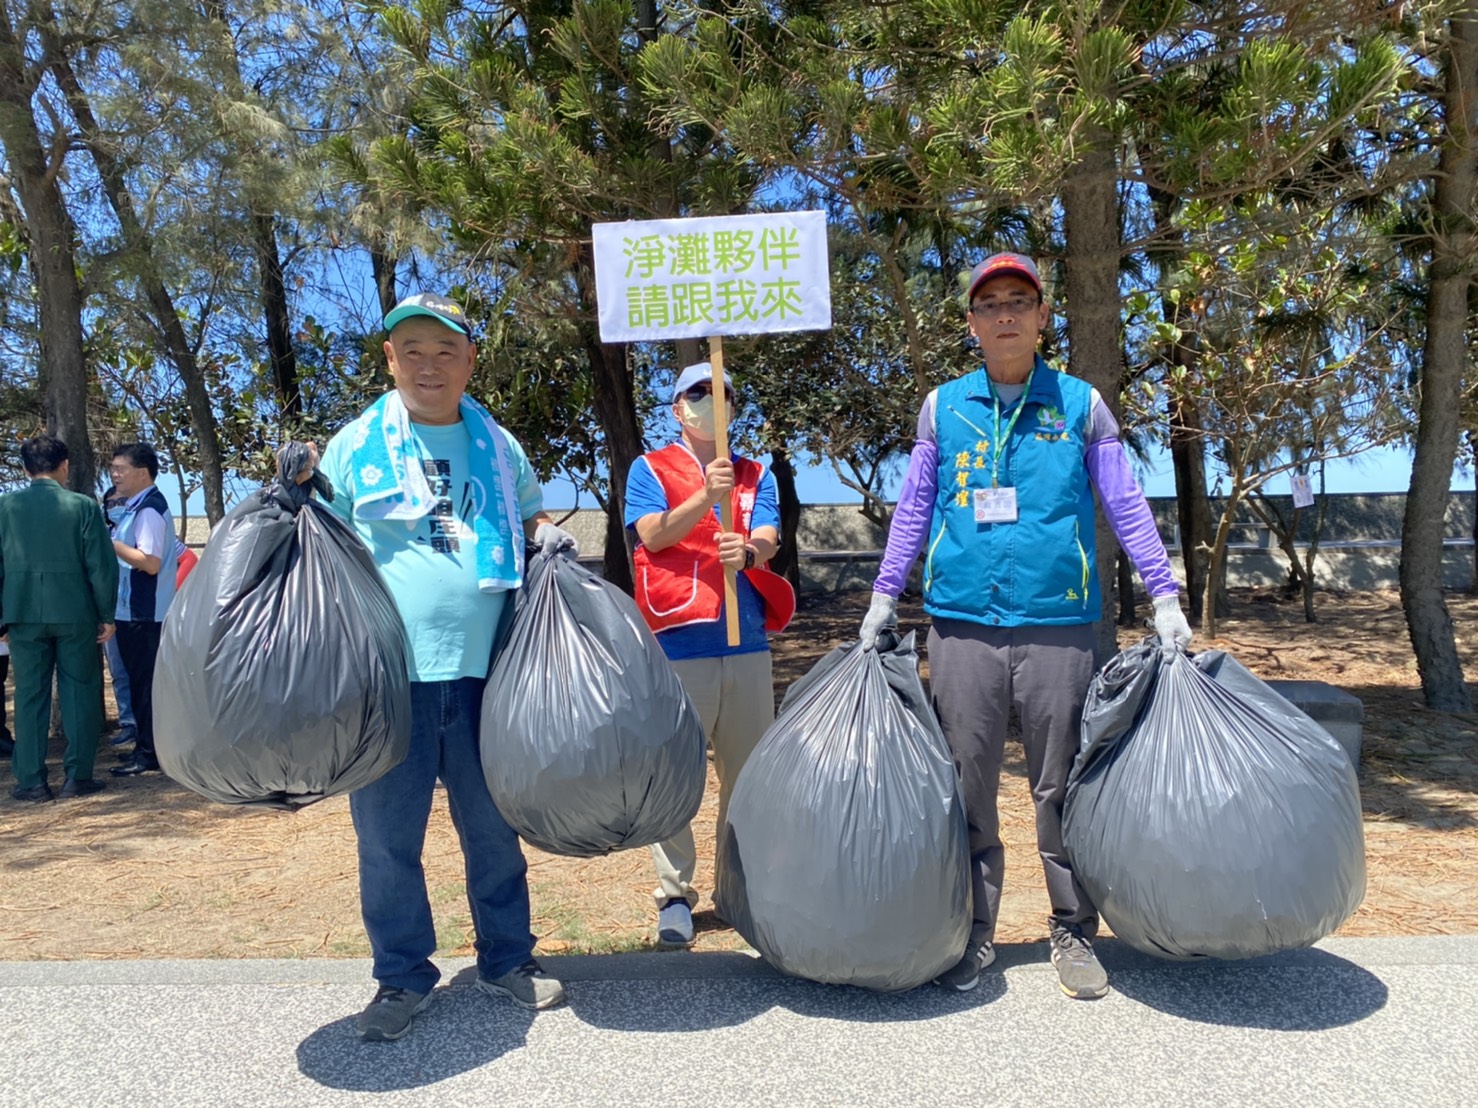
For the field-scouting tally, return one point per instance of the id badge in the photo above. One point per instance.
(995, 505)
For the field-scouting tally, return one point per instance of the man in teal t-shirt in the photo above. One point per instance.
(444, 498)
(428, 563)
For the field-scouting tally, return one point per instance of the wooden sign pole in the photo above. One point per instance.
(721, 448)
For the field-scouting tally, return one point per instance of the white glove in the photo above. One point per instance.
(1170, 623)
(553, 541)
(883, 612)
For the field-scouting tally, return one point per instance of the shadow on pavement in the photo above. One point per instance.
(708, 1004)
(1311, 990)
(670, 1006)
(846, 1002)
(460, 1031)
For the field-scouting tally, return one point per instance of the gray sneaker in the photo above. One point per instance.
(528, 986)
(389, 1015)
(1078, 972)
(964, 975)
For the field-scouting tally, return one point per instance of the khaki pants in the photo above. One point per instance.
(735, 698)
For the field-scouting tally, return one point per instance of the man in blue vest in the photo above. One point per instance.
(144, 541)
(999, 498)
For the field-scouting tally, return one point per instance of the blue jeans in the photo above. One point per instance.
(390, 820)
(120, 685)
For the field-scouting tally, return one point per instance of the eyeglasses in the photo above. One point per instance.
(695, 393)
(1017, 305)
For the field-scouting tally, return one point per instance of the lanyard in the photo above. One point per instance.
(1000, 443)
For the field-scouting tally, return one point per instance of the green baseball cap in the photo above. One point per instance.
(438, 308)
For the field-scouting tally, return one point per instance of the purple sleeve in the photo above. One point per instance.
(1129, 514)
(910, 528)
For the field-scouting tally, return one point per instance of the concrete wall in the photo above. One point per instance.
(1360, 547)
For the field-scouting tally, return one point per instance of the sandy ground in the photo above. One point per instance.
(149, 870)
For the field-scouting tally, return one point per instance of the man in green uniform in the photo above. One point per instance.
(58, 586)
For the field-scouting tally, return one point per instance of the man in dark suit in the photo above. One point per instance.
(58, 586)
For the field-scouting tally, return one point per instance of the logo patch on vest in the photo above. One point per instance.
(1051, 425)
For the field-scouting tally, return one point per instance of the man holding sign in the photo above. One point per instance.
(674, 498)
(707, 522)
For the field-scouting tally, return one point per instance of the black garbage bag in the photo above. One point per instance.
(589, 743)
(844, 858)
(283, 673)
(1206, 816)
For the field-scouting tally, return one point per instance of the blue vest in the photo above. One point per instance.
(1039, 570)
(144, 597)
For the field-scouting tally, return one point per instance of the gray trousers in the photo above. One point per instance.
(976, 674)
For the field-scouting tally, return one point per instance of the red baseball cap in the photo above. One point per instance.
(998, 264)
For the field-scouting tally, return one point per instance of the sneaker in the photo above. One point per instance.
(964, 975)
(675, 923)
(528, 986)
(389, 1015)
(1078, 973)
(125, 737)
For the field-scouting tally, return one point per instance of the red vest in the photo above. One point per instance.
(183, 567)
(684, 583)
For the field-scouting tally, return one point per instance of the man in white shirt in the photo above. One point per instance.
(144, 541)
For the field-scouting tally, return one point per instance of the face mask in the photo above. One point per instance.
(698, 418)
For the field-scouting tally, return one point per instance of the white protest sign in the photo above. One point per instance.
(712, 276)
(1303, 492)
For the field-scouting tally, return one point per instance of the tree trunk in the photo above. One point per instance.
(382, 265)
(690, 352)
(1216, 567)
(278, 315)
(787, 560)
(1444, 361)
(1306, 586)
(1090, 204)
(913, 333)
(182, 517)
(615, 411)
(1285, 533)
(166, 318)
(1128, 617)
(1187, 445)
(1316, 534)
(1192, 505)
(51, 235)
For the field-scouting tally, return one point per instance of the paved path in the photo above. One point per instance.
(1352, 1022)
